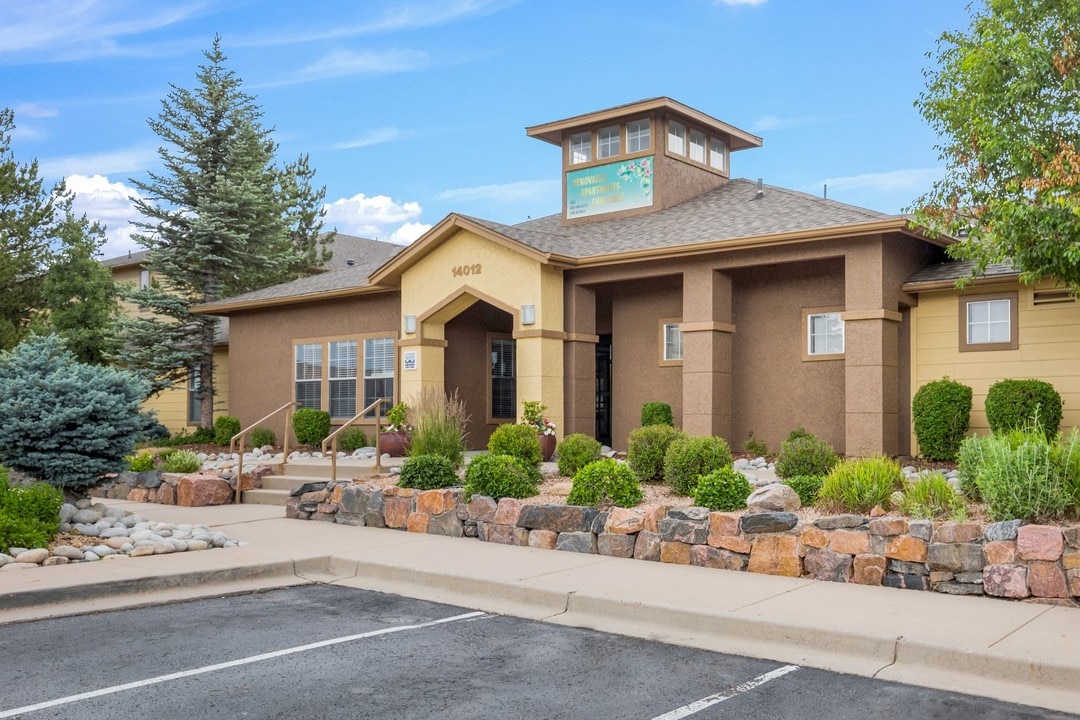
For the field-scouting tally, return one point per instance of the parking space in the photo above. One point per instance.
(330, 652)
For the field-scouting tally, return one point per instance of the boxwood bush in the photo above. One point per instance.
(656, 413)
(725, 490)
(1010, 404)
(520, 441)
(941, 410)
(575, 452)
(859, 485)
(806, 486)
(500, 476)
(605, 482)
(805, 455)
(427, 472)
(688, 458)
(311, 426)
(29, 515)
(352, 440)
(225, 427)
(648, 446)
(261, 437)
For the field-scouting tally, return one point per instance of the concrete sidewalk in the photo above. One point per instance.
(1020, 652)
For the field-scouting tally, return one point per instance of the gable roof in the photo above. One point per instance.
(944, 275)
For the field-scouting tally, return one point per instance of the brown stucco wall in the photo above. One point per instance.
(678, 180)
(467, 365)
(261, 345)
(774, 390)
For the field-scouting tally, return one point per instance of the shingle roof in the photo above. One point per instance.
(956, 269)
(131, 258)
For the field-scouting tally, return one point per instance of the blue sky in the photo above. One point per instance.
(412, 109)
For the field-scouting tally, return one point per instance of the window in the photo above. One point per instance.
(676, 138)
(825, 334)
(503, 379)
(637, 136)
(343, 379)
(194, 406)
(697, 146)
(580, 148)
(607, 142)
(671, 342)
(309, 375)
(717, 154)
(379, 372)
(988, 322)
(144, 279)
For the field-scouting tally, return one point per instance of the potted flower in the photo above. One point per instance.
(533, 415)
(395, 437)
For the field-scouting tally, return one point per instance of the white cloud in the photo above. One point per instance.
(910, 180)
(33, 110)
(342, 63)
(109, 203)
(371, 137)
(532, 191)
(378, 216)
(128, 160)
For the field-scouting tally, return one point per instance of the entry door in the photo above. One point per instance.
(603, 390)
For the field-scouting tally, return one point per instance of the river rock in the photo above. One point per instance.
(776, 497)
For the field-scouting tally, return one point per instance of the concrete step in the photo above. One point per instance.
(266, 497)
(288, 482)
(347, 468)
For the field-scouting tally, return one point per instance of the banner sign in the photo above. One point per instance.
(608, 188)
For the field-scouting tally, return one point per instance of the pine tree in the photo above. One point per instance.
(223, 218)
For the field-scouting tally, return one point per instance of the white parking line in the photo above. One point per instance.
(230, 664)
(699, 705)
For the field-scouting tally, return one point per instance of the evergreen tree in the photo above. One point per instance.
(222, 218)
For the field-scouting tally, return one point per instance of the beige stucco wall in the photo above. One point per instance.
(1048, 349)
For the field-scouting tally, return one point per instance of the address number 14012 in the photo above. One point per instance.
(464, 270)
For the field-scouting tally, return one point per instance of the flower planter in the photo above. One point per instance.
(547, 446)
(394, 444)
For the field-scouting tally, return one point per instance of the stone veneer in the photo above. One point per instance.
(1004, 559)
(190, 490)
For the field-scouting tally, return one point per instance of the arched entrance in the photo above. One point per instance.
(481, 365)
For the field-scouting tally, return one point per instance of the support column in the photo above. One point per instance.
(430, 369)
(579, 356)
(707, 344)
(540, 373)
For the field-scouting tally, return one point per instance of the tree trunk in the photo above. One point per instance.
(206, 374)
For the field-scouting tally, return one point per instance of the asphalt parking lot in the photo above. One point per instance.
(331, 652)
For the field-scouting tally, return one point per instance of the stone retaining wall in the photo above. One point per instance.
(1004, 559)
(190, 490)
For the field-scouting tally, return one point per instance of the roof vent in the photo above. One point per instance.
(350, 262)
(760, 189)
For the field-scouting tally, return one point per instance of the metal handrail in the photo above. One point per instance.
(240, 436)
(332, 437)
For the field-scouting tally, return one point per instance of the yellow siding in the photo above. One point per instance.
(1049, 349)
(171, 405)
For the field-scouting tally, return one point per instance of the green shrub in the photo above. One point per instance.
(396, 416)
(201, 436)
(806, 486)
(968, 459)
(941, 411)
(225, 427)
(181, 461)
(756, 447)
(725, 490)
(1021, 475)
(500, 476)
(311, 426)
(858, 486)
(261, 437)
(427, 472)
(931, 497)
(29, 515)
(656, 413)
(1010, 404)
(24, 532)
(647, 448)
(687, 458)
(352, 440)
(141, 462)
(439, 426)
(805, 455)
(575, 452)
(605, 482)
(799, 432)
(520, 441)
(62, 421)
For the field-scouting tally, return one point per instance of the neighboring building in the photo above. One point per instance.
(178, 408)
(747, 307)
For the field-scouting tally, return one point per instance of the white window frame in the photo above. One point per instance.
(581, 148)
(676, 138)
(990, 324)
(379, 365)
(699, 146)
(341, 371)
(310, 354)
(638, 136)
(718, 158)
(671, 342)
(144, 278)
(607, 145)
(826, 336)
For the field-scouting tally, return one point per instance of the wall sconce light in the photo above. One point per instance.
(410, 323)
(528, 314)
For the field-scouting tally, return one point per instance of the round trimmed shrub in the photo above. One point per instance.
(520, 441)
(1010, 404)
(725, 490)
(648, 446)
(427, 472)
(656, 413)
(352, 440)
(225, 427)
(181, 461)
(805, 455)
(605, 482)
(260, 437)
(500, 476)
(806, 486)
(688, 458)
(941, 411)
(311, 426)
(859, 485)
(575, 452)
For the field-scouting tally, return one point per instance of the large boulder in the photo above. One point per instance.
(201, 490)
(776, 497)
